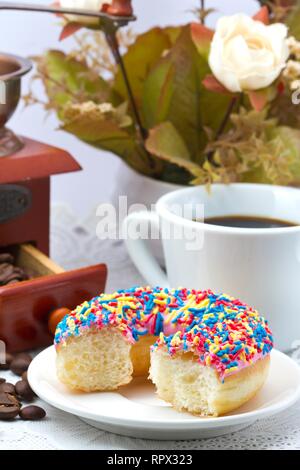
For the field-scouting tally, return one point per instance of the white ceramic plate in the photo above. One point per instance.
(136, 411)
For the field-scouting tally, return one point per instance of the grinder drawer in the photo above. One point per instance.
(25, 307)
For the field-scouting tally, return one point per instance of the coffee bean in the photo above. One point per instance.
(32, 413)
(5, 271)
(13, 281)
(17, 274)
(9, 273)
(24, 376)
(20, 364)
(23, 355)
(8, 360)
(24, 390)
(2, 380)
(7, 399)
(21, 273)
(13, 277)
(6, 258)
(9, 406)
(7, 387)
(8, 412)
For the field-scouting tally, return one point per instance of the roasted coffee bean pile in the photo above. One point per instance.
(12, 395)
(9, 273)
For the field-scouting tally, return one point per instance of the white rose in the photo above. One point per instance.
(92, 5)
(246, 54)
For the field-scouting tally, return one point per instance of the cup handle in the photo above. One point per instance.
(139, 250)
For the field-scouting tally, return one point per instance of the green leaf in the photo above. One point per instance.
(166, 143)
(173, 33)
(172, 93)
(293, 21)
(66, 79)
(158, 94)
(213, 109)
(140, 58)
(105, 133)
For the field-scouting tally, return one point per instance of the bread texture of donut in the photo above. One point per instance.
(206, 353)
(190, 386)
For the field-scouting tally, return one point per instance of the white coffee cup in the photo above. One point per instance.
(259, 266)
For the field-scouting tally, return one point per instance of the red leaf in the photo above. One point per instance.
(69, 29)
(201, 37)
(263, 15)
(201, 33)
(258, 99)
(212, 84)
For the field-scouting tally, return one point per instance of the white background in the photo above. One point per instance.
(32, 33)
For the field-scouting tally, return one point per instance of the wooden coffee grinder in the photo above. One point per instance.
(25, 170)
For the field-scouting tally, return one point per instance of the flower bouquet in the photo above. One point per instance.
(184, 104)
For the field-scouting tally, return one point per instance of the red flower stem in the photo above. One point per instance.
(226, 118)
(223, 124)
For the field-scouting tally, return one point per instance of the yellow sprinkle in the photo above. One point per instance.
(120, 310)
(208, 360)
(243, 356)
(213, 348)
(125, 299)
(110, 308)
(163, 295)
(203, 303)
(206, 316)
(231, 369)
(170, 317)
(87, 312)
(175, 341)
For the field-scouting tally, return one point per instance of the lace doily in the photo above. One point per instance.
(74, 245)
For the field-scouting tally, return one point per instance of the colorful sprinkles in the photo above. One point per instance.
(222, 331)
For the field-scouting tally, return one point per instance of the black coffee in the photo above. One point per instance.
(240, 221)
